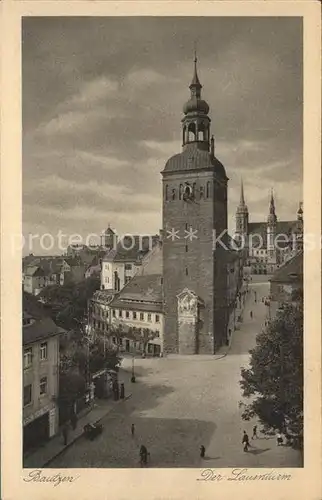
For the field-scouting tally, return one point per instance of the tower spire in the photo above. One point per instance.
(242, 198)
(195, 85)
(271, 219)
(272, 203)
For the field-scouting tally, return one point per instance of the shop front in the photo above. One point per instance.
(39, 427)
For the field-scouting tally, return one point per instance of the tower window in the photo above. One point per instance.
(186, 247)
(208, 190)
(186, 226)
(187, 271)
(192, 132)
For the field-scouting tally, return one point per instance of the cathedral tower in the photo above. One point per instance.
(271, 230)
(242, 215)
(194, 213)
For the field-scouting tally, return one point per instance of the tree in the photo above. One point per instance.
(72, 386)
(68, 303)
(274, 380)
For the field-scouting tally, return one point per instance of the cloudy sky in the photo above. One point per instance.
(102, 104)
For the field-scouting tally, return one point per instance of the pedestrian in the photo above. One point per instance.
(132, 429)
(143, 455)
(279, 439)
(202, 451)
(251, 314)
(254, 432)
(65, 434)
(73, 420)
(245, 441)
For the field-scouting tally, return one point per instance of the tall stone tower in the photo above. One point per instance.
(271, 231)
(242, 215)
(194, 213)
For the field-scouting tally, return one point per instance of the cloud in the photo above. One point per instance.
(102, 104)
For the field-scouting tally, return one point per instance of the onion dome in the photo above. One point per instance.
(195, 105)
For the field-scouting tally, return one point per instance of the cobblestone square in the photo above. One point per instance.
(180, 403)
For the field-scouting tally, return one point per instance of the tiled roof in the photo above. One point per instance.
(43, 326)
(147, 288)
(260, 229)
(193, 158)
(34, 271)
(39, 330)
(291, 271)
(155, 307)
(131, 250)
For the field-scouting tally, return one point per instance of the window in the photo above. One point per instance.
(186, 247)
(43, 350)
(27, 357)
(114, 340)
(149, 316)
(157, 318)
(157, 334)
(121, 341)
(128, 267)
(134, 315)
(43, 386)
(208, 189)
(113, 313)
(142, 316)
(127, 314)
(186, 271)
(120, 313)
(27, 395)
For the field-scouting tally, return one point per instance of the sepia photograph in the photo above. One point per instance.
(162, 253)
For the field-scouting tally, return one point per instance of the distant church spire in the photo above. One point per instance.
(242, 199)
(271, 213)
(242, 213)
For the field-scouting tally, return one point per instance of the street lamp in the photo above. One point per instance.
(133, 376)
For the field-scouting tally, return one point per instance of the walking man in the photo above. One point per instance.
(245, 441)
(254, 432)
(202, 451)
(132, 429)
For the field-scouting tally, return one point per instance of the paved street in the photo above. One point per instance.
(180, 403)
